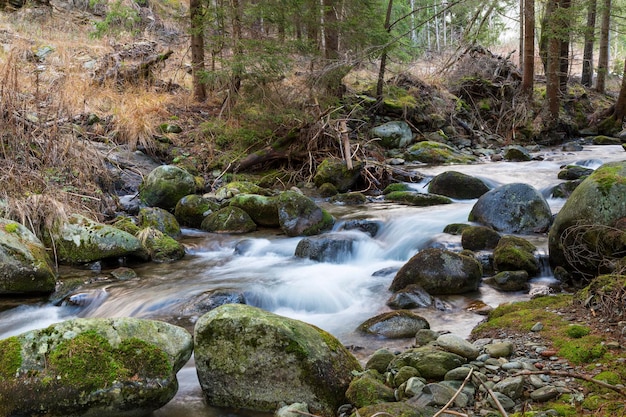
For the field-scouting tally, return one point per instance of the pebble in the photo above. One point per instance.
(537, 327)
(544, 393)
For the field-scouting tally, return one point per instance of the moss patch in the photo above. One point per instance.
(10, 358)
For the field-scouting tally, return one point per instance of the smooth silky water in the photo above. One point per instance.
(335, 296)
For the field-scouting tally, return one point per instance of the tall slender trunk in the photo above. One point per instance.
(553, 66)
(331, 32)
(528, 73)
(564, 31)
(620, 105)
(383, 58)
(603, 53)
(522, 31)
(197, 49)
(587, 74)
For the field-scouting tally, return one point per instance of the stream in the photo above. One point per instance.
(335, 296)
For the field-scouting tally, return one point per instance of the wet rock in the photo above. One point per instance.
(192, 209)
(574, 172)
(249, 358)
(24, 264)
(104, 367)
(430, 152)
(432, 364)
(335, 172)
(228, 220)
(606, 140)
(513, 208)
(412, 296)
(394, 325)
(425, 336)
(509, 281)
(331, 247)
(262, 209)
(514, 253)
(477, 238)
(160, 247)
(165, 185)
(370, 227)
(456, 228)
(517, 153)
(394, 134)
(565, 189)
(368, 390)
(293, 410)
(379, 360)
(210, 300)
(457, 185)
(417, 199)
(349, 199)
(228, 191)
(123, 274)
(159, 219)
(390, 408)
(404, 374)
(439, 271)
(458, 345)
(300, 216)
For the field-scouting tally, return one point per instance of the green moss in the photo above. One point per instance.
(11, 227)
(609, 377)
(144, 359)
(607, 176)
(10, 359)
(399, 186)
(576, 331)
(582, 350)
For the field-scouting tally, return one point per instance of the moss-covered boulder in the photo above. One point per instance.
(25, 267)
(431, 362)
(457, 185)
(369, 389)
(192, 209)
(517, 153)
(159, 219)
(234, 188)
(298, 215)
(165, 185)
(596, 205)
(395, 409)
(479, 238)
(262, 209)
(606, 140)
(513, 208)
(397, 186)
(80, 240)
(439, 271)
(160, 247)
(574, 172)
(394, 325)
(509, 281)
(229, 220)
(249, 358)
(336, 172)
(430, 152)
(514, 253)
(394, 134)
(417, 199)
(104, 367)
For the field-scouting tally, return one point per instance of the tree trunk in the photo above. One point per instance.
(603, 54)
(237, 65)
(197, 49)
(522, 31)
(546, 30)
(620, 105)
(383, 58)
(553, 65)
(528, 73)
(587, 74)
(564, 31)
(331, 31)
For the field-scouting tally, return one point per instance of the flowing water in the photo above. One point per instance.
(336, 296)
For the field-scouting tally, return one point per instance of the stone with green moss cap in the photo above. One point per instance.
(337, 173)
(81, 240)
(430, 152)
(104, 367)
(24, 264)
(165, 185)
(249, 358)
(298, 215)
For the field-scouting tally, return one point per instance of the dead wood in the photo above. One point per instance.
(132, 65)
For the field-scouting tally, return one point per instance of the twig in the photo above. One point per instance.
(493, 395)
(621, 391)
(456, 394)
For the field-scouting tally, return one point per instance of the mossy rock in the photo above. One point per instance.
(600, 200)
(565, 189)
(81, 240)
(336, 172)
(240, 187)
(516, 153)
(192, 209)
(395, 409)
(514, 253)
(159, 219)
(300, 216)
(161, 247)
(367, 390)
(127, 224)
(104, 367)
(430, 152)
(399, 186)
(394, 134)
(606, 140)
(25, 266)
(457, 185)
(479, 238)
(263, 210)
(328, 190)
(574, 172)
(417, 199)
(394, 325)
(430, 362)
(229, 219)
(165, 185)
(509, 281)
(456, 228)
(350, 199)
(250, 358)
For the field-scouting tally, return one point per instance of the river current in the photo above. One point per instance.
(335, 296)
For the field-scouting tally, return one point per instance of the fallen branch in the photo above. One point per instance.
(456, 394)
(493, 395)
(621, 391)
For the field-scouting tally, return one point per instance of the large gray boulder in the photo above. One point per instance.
(583, 225)
(80, 240)
(337, 173)
(192, 209)
(165, 185)
(92, 367)
(329, 247)
(394, 134)
(229, 219)
(298, 215)
(262, 209)
(439, 271)
(249, 358)
(457, 185)
(431, 362)
(513, 208)
(394, 325)
(24, 264)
